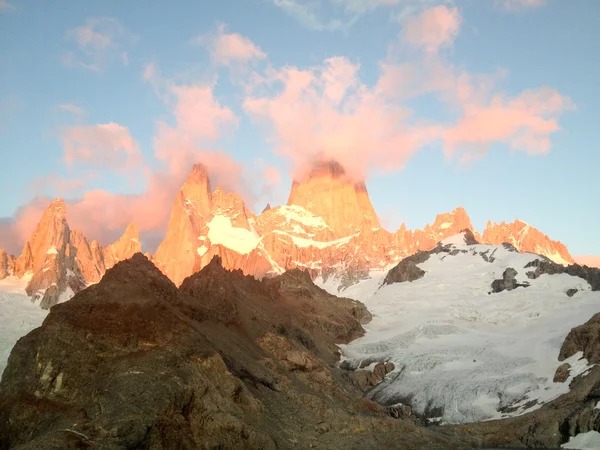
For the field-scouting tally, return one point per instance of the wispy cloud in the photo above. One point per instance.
(72, 108)
(519, 5)
(102, 146)
(228, 49)
(99, 43)
(335, 15)
(433, 28)
(6, 6)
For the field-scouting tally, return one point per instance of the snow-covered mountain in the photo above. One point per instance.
(474, 331)
(328, 227)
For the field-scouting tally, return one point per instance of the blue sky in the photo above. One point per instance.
(119, 98)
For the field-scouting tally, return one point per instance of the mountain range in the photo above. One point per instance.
(328, 227)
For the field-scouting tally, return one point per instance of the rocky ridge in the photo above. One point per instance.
(328, 227)
(59, 262)
(228, 362)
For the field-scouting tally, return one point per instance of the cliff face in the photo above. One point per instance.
(329, 226)
(59, 262)
(525, 238)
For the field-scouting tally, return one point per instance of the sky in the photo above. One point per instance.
(487, 104)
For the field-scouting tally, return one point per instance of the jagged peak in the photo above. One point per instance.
(57, 208)
(137, 270)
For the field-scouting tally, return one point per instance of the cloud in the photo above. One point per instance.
(6, 6)
(327, 112)
(524, 122)
(434, 28)
(102, 146)
(16, 230)
(58, 186)
(588, 260)
(72, 108)
(345, 12)
(99, 43)
(228, 49)
(517, 5)
(199, 119)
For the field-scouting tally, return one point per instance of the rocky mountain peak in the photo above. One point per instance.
(526, 238)
(329, 193)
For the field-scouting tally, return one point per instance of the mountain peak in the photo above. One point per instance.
(328, 192)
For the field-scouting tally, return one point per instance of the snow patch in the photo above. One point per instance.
(221, 231)
(461, 352)
(446, 225)
(299, 214)
(52, 251)
(584, 441)
(18, 316)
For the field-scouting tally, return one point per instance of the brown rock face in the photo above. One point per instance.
(7, 264)
(525, 238)
(229, 362)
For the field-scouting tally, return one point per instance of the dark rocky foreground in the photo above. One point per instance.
(224, 361)
(229, 362)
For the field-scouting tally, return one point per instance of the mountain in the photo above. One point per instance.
(233, 362)
(477, 312)
(58, 262)
(328, 227)
(525, 238)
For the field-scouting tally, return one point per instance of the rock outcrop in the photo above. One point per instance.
(225, 361)
(7, 264)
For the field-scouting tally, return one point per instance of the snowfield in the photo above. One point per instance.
(18, 316)
(463, 354)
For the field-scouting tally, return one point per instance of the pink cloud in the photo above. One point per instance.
(199, 120)
(58, 186)
(98, 43)
(103, 146)
(5, 5)
(327, 112)
(433, 28)
(525, 122)
(230, 48)
(73, 109)
(588, 260)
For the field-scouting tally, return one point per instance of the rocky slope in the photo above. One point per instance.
(224, 361)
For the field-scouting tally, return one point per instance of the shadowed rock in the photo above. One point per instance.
(225, 361)
(508, 281)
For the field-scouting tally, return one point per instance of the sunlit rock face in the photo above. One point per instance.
(526, 238)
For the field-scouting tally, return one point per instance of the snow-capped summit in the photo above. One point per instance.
(474, 331)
